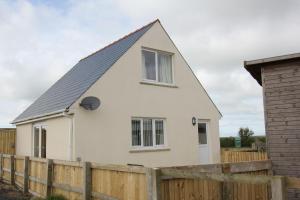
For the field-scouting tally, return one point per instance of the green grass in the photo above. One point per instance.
(52, 197)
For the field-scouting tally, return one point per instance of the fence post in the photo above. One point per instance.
(278, 188)
(87, 180)
(1, 166)
(12, 169)
(153, 177)
(226, 190)
(26, 174)
(49, 176)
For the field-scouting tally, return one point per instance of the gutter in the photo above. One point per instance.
(40, 117)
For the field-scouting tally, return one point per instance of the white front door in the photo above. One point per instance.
(203, 141)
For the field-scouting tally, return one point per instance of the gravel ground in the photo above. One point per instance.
(8, 192)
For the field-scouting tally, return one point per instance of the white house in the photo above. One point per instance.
(153, 111)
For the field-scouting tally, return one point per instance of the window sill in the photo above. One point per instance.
(158, 84)
(145, 149)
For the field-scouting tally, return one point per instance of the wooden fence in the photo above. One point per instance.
(84, 180)
(239, 156)
(7, 140)
(75, 180)
(216, 188)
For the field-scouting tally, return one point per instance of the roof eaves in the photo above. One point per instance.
(272, 59)
(38, 116)
(254, 66)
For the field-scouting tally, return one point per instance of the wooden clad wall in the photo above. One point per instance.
(7, 140)
(281, 85)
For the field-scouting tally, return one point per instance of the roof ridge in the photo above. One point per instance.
(124, 37)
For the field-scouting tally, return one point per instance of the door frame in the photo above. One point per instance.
(38, 125)
(207, 145)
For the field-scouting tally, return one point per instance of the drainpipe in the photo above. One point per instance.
(71, 135)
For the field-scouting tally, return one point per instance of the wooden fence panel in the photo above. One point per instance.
(19, 171)
(248, 191)
(239, 156)
(118, 183)
(37, 176)
(190, 189)
(67, 175)
(6, 168)
(7, 141)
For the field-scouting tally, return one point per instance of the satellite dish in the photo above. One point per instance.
(90, 103)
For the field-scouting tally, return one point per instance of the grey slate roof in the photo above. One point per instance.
(80, 78)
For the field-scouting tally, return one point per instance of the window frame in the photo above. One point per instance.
(39, 126)
(207, 124)
(156, 52)
(154, 146)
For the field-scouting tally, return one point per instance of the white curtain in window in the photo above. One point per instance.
(149, 71)
(164, 68)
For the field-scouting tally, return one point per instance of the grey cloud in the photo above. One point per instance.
(214, 36)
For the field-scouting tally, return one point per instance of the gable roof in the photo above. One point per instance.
(80, 78)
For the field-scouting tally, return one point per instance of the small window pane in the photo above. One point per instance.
(36, 141)
(202, 133)
(147, 131)
(149, 65)
(165, 68)
(136, 132)
(159, 132)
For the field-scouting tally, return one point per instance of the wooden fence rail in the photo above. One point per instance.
(84, 180)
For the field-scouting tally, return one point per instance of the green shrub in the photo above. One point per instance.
(246, 136)
(227, 142)
(261, 138)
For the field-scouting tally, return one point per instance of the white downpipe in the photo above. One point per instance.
(71, 136)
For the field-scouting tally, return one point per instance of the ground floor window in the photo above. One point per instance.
(148, 132)
(39, 141)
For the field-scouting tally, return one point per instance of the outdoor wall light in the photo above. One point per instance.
(194, 121)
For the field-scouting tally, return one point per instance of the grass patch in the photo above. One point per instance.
(52, 197)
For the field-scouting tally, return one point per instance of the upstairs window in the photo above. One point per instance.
(147, 132)
(157, 66)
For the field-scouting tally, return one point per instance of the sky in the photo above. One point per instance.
(41, 40)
